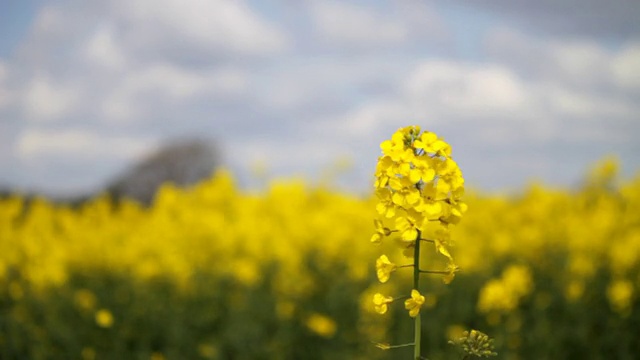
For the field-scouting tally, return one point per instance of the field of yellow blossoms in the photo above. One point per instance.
(288, 272)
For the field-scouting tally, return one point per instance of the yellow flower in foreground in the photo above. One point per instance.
(104, 318)
(407, 229)
(452, 269)
(414, 303)
(380, 302)
(384, 268)
(380, 233)
(442, 249)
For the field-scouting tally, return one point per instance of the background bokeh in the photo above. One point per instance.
(193, 179)
(214, 272)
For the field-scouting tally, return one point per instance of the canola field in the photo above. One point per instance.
(215, 272)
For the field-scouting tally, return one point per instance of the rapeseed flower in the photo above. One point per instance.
(380, 233)
(384, 268)
(418, 184)
(475, 343)
(414, 303)
(504, 294)
(620, 295)
(104, 318)
(451, 270)
(381, 303)
(407, 228)
(322, 325)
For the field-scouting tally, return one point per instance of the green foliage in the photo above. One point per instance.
(220, 318)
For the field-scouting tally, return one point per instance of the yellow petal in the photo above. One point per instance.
(442, 249)
(410, 234)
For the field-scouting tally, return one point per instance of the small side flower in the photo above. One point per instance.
(381, 303)
(475, 343)
(414, 303)
(384, 268)
(380, 233)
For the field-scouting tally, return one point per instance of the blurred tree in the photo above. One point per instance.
(182, 162)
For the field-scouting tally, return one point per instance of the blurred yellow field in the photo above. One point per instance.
(214, 272)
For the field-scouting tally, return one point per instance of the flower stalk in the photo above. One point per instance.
(416, 285)
(419, 188)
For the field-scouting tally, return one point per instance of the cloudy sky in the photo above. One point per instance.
(520, 89)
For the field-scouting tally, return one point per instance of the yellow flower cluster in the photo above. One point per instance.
(504, 294)
(574, 235)
(475, 343)
(212, 228)
(419, 187)
(620, 295)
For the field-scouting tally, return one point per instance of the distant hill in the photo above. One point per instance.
(182, 162)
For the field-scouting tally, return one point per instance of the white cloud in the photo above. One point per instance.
(466, 88)
(320, 86)
(103, 49)
(347, 24)
(77, 144)
(47, 100)
(585, 91)
(581, 62)
(510, 108)
(449, 95)
(50, 20)
(564, 101)
(444, 91)
(626, 66)
(371, 116)
(424, 21)
(205, 25)
(5, 96)
(163, 83)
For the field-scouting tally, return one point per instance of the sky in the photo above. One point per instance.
(521, 90)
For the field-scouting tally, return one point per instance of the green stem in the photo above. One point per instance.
(387, 347)
(416, 285)
(435, 272)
